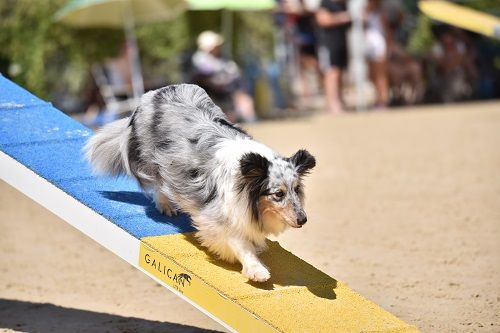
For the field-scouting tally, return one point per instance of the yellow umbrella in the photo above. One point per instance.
(462, 17)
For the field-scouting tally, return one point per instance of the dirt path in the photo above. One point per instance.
(403, 206)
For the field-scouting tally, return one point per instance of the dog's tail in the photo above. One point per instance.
(107, 150)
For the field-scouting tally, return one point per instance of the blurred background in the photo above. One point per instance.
(258, 59)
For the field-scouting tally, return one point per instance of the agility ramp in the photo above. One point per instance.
(40, 155)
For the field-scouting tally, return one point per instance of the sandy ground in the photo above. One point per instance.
(403, 206)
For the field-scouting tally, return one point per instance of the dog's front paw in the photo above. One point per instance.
(256, 272)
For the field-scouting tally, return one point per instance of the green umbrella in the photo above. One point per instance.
(231, 4)
(114, 13)
(120, 14)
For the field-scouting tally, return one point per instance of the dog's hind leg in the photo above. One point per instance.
(164, 205)
(253, 268)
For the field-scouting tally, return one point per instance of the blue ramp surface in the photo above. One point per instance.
(50, 143)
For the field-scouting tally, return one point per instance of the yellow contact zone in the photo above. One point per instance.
(199, 291)
(298, 297)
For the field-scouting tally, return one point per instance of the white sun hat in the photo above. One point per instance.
(208, 40)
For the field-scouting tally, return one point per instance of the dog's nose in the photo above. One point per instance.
(301, 218)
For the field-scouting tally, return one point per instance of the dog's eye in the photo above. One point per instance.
(297, 189)
(279, 194)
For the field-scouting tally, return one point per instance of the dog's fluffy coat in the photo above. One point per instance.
(181, 148)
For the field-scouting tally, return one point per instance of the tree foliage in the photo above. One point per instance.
(41, 48)
(45, 56)
(48, 56)
(490, 6)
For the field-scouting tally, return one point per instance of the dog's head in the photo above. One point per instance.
(275, 189)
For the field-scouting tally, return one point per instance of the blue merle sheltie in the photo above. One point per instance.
(182, 150)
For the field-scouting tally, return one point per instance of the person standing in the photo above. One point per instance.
(376, 51)
(333, 20)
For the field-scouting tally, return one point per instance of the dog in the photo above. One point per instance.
(182, 149)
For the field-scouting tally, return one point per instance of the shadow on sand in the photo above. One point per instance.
(50, 318)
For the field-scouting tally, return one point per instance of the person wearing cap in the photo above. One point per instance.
(221, 77)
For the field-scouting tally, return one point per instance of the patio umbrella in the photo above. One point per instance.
(123, 14)
(231, 4)
(462, 17)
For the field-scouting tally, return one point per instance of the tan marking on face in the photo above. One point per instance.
(276, 216)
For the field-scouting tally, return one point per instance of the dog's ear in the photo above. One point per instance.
(303, 161)
(254, 165)
(254, 169)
